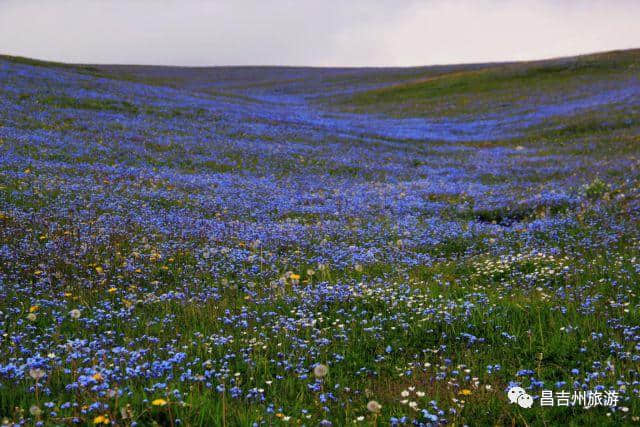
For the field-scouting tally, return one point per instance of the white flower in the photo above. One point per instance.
(404, 393)
(75, 313)
(374, 406)
(36, 373)
(320, 370)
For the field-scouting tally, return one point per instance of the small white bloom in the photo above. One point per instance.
(36, 373)
(320, 370)
(374, 406)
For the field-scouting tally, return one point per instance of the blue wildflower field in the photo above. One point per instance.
(244, 246)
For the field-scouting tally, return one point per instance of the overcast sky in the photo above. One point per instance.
(320, 33)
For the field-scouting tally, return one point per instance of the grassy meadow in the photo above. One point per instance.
(244, 246)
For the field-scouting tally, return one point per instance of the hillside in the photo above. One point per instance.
(271, 245)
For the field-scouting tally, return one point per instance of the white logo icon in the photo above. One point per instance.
(525, 401)
(519, 396)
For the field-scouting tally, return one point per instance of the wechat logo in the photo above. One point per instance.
(519, 396)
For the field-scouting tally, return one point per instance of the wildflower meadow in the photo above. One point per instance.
(266, 246)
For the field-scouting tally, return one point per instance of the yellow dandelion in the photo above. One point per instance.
(99, 270)
(112, 290)
(294, 276)
(98, 376)
(159, 402)
(33, 308)
(465, 392)
(101, 419)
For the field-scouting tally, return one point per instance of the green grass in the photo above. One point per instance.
(95, 104)
(48, 64)
(493, 88)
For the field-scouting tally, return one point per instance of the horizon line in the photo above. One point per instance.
(352, 67)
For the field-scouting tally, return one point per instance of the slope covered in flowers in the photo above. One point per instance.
(240, 246)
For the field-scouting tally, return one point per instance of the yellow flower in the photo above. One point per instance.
(112, 290)
(33, 308)
(101, 419)
(99, 270)
(294, 276)
(159, 402)
(465, 392)
(98, 376)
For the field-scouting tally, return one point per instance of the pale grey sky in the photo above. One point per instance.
(319, 33)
